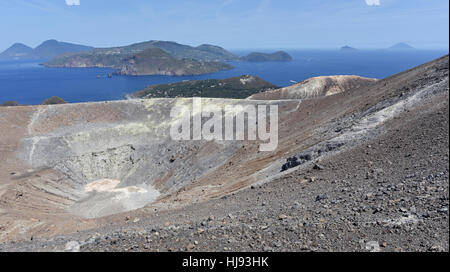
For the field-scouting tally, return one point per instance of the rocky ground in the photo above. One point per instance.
(390, 194)
(383, 187)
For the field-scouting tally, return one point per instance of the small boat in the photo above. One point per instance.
(99, 76)
(109, 75)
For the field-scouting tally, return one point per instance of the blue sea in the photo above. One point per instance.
(30, 83)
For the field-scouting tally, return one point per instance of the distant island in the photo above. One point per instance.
(401, 46)
(237, 87)
(155, 61)
(262, 57)
(17, 51)
(45, 51)
(398, 47)
(160, 58)
(348, 49)
(139, 59)
(151, 61)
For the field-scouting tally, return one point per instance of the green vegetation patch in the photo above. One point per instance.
(237, 88)
(54, 100)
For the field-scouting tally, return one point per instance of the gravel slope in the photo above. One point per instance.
(386, 189)
(390, 194)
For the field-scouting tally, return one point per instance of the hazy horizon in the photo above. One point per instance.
(232, 24)
(261, 49)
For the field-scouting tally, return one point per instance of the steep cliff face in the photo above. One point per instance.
(316, 87)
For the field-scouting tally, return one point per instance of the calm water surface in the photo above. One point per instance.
(30, 83)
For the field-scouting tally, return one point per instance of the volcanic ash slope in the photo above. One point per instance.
(316, 87)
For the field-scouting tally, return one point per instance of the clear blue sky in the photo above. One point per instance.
(230, 23)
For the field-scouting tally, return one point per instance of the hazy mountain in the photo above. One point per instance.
(348, 49)
(261, 57)
(17, 51)
(47, 50)
(203, 52)
(52, 48)
(401, 46)
(217, 50)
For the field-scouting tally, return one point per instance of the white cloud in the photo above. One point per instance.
(373, 2)
(73, 2)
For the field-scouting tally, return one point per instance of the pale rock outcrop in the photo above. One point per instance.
(316, 87)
